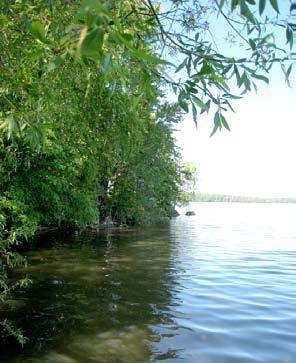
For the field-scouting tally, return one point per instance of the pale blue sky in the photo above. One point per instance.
(257, 158)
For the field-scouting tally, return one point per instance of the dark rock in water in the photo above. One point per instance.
(175, 213)
(123, 225)
(190, 213)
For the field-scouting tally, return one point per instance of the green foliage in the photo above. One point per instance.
(82, 139)
(112, 34)
(188, 183)
(14, 332)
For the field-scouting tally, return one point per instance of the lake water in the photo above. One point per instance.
(219, 287)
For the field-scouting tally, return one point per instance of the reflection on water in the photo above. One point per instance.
(216, 287)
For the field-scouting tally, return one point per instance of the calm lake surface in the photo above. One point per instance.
(219, 287)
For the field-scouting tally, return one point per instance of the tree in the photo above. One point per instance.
(150, 33)
(188, 182)
(111, 34)
(75, 144)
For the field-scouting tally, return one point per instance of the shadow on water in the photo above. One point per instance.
(95, 297)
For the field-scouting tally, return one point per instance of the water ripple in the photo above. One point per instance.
(219, 287)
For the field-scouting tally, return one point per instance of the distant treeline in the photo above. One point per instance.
(239, 199)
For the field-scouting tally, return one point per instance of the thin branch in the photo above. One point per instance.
(11, 103)
(151, 7)
(231, 25)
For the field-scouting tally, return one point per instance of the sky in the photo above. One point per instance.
(257, 158)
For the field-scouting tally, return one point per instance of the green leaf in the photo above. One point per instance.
(141, 54)
(238, 77)
(225, 101)
(289, 36)
(57, 62)
(262, 4)
(274, 4)
(217, 123)
(199, 103)
(207, 106)
(184, 105)
(252, 44)
(246, 82)
(224, 122)
(220, 83)
(246, 12)
(214, 130)
(182, 102)
(38, 31)
(241, 80)
(234, 4)
(250, 29)
(205, 69)
(123, 39)
(227, 69)
(127, 36)
(188, 66)
(93, 6)
(289, 70)
(287, 73)
(234, 97)
(10, 125)
(260, 77)
(221, 4)
(26, 22)
(194, 114)
(91, 46)
(182, 65)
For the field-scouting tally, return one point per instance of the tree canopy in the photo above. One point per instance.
(163, 39)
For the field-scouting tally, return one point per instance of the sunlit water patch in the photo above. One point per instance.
(218, 287)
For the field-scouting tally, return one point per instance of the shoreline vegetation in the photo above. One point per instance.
(238, 199)
(80, 147)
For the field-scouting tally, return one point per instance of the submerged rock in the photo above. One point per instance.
(190, 213)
